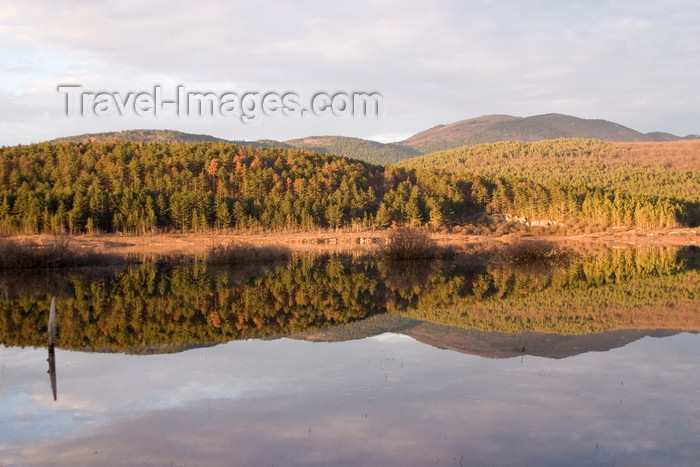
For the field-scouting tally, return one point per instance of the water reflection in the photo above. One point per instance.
(52, 345)
(384, 400)
(158, 307)
(373, 363)
(52, 370)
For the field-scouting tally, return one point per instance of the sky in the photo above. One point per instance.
(631, 62)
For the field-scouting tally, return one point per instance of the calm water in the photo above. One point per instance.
(363, 363)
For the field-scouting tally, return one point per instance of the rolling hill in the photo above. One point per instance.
(470, 132)
(495, 128)
(357, 148)
(557, 173)
(161, 136)
(145, 136)
(126, 186)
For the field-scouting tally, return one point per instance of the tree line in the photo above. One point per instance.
(132, 187)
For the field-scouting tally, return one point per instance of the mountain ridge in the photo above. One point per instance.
(468, 132)
(496, 128)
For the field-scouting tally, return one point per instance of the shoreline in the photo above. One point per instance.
(330, 241)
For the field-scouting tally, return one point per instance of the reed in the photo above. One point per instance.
(533, 252)
(56, 254)
(406, 244)
(243, 253)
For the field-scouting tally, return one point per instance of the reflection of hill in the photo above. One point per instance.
(645, 288)
(486, 344)
(504, 345)
(372, 326)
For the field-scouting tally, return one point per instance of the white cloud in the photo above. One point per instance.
(635, 62)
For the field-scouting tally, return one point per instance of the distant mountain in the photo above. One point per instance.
(369, 151)
(271, 143)
(484, 129)
(161, 136)
(660, 136)
(494, 128)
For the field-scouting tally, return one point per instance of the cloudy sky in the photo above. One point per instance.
(632, 62)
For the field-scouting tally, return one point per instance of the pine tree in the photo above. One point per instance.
(383, 218)
(223, 216)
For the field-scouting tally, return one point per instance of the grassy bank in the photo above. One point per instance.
(41, 251)
(60, 253)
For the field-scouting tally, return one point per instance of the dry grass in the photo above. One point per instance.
(244, 253)
(413, 244)
(168, 246)
(533, 252)
(59, 253)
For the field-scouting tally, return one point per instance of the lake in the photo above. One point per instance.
(349, 360)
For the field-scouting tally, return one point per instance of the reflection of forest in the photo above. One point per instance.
(161, 307)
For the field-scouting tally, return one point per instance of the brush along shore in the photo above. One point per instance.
(65, 251)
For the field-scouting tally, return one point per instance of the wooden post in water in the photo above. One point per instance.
(52, 343)
(52, 323)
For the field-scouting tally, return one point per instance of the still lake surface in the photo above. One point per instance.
(342, 360)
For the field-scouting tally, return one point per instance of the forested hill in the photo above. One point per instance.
(143, 136)
(357, 148)
(370, 151)
(159, 136)
(484, 129)
(606, 183)
(141, 187)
